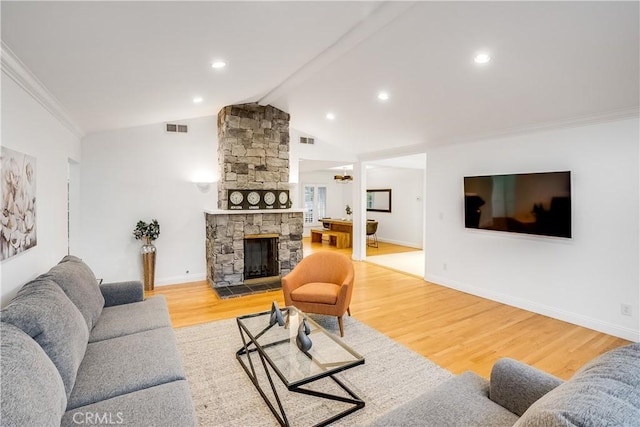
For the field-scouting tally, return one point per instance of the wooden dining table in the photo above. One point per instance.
(339, 225)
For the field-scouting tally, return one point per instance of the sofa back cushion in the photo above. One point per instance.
(42, 310)
(32, 390)
(606, 391)
(79, 283)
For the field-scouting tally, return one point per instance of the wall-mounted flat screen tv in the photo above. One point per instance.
(531, 203)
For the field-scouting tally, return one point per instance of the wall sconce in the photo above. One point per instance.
(204, 187)
(203, 179)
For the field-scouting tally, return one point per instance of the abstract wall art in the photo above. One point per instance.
(18, 198)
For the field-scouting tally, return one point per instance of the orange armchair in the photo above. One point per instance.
(321, 283)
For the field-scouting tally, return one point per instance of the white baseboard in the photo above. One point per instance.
(186, 278)
(399, 242)
(566, 316)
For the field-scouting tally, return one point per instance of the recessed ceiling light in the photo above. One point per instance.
(482, 58)
(331, 116)
(383, 96)
(218, 64)
(197, 100)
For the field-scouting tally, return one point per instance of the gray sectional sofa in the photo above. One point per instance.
(78, 353)
(604, 392)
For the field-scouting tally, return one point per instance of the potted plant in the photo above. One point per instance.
(149, 232)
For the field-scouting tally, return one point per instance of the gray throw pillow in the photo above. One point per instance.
(42, 310)
(605, 392)
(32, 390)
(79, 283)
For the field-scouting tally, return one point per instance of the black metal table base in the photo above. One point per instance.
(279, 412)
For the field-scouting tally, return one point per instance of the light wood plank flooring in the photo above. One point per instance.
(457, 331)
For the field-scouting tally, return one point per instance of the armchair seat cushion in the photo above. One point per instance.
(322, 283)
(316, 292)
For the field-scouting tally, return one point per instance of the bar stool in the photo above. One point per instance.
(372, 237)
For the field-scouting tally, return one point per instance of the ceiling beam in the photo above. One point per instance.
(382, 16)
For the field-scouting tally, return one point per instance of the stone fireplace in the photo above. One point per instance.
(253, 154)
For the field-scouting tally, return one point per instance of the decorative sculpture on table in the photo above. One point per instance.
(302, 340)
(276, 315)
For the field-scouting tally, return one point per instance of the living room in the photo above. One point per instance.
(104, 162)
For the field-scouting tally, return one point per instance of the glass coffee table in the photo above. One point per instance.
(274, 347)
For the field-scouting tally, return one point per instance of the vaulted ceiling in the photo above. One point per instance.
(121, 64)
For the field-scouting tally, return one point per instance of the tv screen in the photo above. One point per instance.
(531, 203)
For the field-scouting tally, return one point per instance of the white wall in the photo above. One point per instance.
(405, 224)
(582, 280)
(144, 173)
(319, 150)
(29, 128)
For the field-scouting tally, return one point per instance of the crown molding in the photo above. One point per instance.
(13, 68)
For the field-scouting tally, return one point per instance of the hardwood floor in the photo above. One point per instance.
(457, 331)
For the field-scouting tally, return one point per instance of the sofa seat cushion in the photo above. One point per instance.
(116, 321)
(604, 392)
(33, 393)
(460, 401)
(43, 311)
(167, 404)
(126, 364)
(79, 283)
(316, 292)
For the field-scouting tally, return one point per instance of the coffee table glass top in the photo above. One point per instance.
(327, 355)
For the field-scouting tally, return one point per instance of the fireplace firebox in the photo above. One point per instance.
(261, 257)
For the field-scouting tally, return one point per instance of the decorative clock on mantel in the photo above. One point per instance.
(283, 199)
(258, 199)
(269, 198)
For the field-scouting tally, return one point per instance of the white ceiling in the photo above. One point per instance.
(123, 64)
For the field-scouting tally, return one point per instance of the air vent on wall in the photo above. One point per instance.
(306, 140)
(174, 128)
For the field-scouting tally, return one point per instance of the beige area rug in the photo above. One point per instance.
(225, 396)
(409, 262)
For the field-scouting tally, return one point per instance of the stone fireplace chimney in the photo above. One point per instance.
(253, 154)
(253, 149)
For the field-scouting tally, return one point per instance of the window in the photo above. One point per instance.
(315, 203)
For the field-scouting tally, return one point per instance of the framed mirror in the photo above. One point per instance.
(379, 200)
